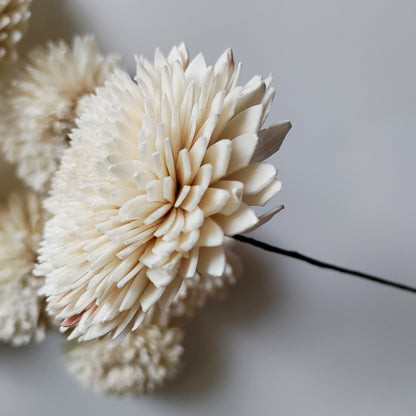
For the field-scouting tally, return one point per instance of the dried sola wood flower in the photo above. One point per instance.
(21, 309)
(42, 101)
(166, 167)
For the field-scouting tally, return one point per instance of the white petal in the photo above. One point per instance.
(242, 152)
(248, 121)
(218, 155)
(211, 261)
(265, 195)
(211, 234)
(213, 201)
(235, 189)
(254, 177)
(270, 140)
(265, 218)
(238, 222)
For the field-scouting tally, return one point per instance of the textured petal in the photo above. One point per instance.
(238, 222)
(270, 140)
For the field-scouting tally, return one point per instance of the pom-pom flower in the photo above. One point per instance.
(142, 362)
(40, 105)
(21, 309)
(160, 170)
(14, 15)
(148, 358)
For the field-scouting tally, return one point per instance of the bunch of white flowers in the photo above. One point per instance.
(148, 179)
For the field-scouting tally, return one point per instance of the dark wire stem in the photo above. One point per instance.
(310, 260)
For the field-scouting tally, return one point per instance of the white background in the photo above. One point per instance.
(291, 339)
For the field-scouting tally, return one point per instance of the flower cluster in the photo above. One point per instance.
(147, 179)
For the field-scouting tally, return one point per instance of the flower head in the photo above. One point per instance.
(21, 309)
(160, 170)
(14, 15)
(42, 101)
(142, 362)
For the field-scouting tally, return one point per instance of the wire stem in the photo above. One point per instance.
(310, 260)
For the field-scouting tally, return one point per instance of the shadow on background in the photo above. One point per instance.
(206, 358)
(50, 21)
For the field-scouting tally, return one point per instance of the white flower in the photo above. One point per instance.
(14, 15)
(21, 309)
(160, 170)
(40, 105)
(142, 362)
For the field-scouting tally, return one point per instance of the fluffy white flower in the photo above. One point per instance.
(14, 15)
(149, 357)
(142, 362)
(160, 170)
(40, 105)
(21, 309)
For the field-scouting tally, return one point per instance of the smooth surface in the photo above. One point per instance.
(291, 339)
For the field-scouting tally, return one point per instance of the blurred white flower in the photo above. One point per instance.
(142, 362)
(42, 101)
(21, 309)
(160, 170)
(14, 16)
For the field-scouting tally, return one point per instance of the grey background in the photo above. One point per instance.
(290, 339)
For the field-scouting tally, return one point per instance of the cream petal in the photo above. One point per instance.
(166, 224)
(193, 198)
(238, 222)
(235, 189)
(193, 220)
(196, 69)
(160, 277)
(242, 151)
(211, 261)
(138, 207)
(213, 201)
(121, 195)
(265, 218)
(133, 294)
(183, 167)
(218, 155)
(248, 121)
(252, 94)
(150, 296)
(267, 104)
(188, 241)
(170, 292)
(154, 191)
(158, 214)
(165, 248)
(196, 154)
(182, 195)
(169, 189)
(188, 265)
(265, 195)
(176, 227)
(254, 177)
(270, 140)
(203, 177)
(211, 234)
